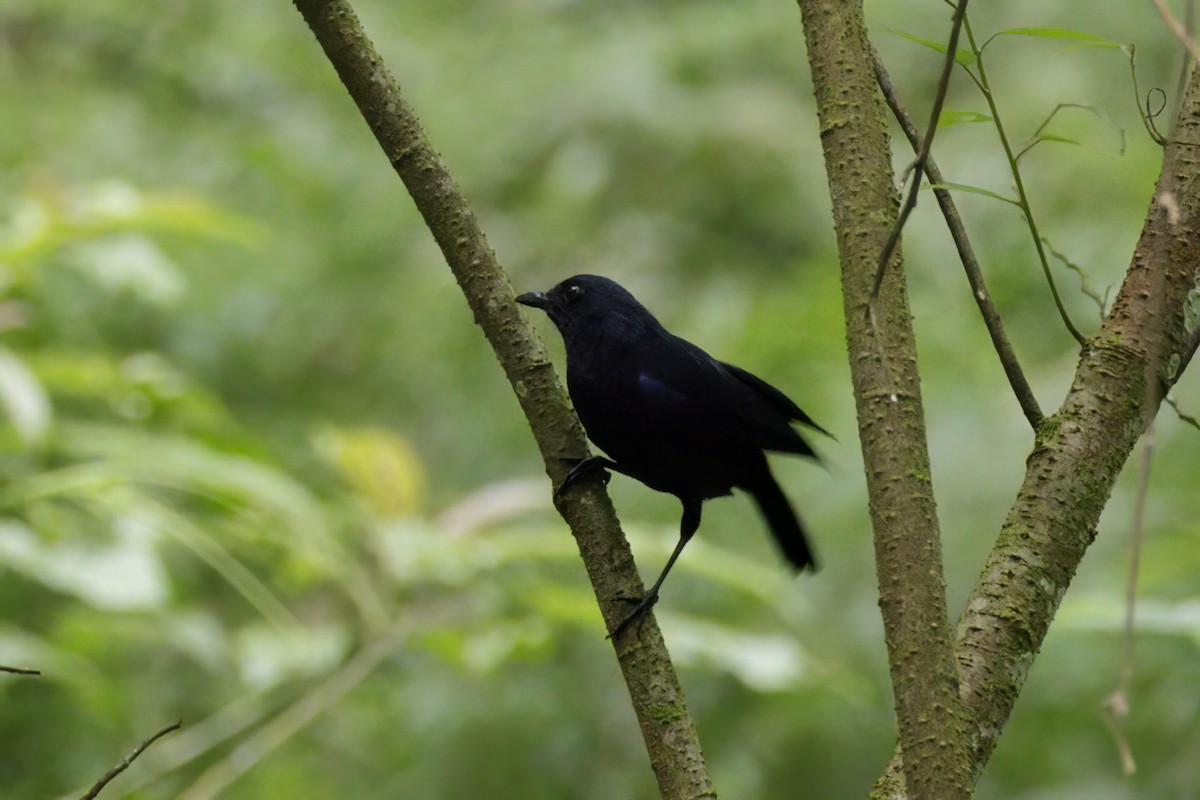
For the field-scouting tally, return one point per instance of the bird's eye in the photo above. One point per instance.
(573, 291)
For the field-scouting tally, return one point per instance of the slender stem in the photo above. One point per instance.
(958, 232)
(124, 763)
(1022, 196)
(1117, 705)
(1186, 418)
(20, 670)
(1178, 29)
(910, 202)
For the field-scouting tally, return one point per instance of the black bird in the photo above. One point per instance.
(671, 415)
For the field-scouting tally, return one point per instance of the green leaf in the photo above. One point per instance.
(1054, 137)
(964, 57)
(963, 187)
(1060, 33)
(951, 117)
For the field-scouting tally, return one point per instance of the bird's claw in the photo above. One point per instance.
(582, 467)
(638, 614)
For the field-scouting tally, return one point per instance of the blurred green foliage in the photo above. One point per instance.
(259, 471)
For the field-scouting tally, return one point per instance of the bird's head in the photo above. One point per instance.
(590, 303)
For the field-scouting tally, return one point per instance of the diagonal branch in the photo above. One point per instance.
(966, 253)
(667, 728)
(912, 595)
(20, 670)
(124, 763)
(910, 202)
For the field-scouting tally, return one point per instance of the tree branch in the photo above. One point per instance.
(910, 202)
(124, 763)
(20, 670)
(930, 716)
(966, 253)
(1122, 376)
(667, 727)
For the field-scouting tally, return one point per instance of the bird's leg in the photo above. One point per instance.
(582, 468)
(687, 528)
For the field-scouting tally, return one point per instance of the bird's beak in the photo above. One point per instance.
(535, 299)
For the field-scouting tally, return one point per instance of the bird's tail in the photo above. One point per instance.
(782, 520)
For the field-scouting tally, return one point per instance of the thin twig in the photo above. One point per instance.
(1177, 28)
(1085, 283)
(1188, 418)
(958, 232)
(1144, 112)
(20, 670)
(1109, 714)
(981, 81)
(1117, 705)
(1185, 63)
(910, 202)
(124, 763)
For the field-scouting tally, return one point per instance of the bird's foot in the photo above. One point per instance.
(638, 614)
(581, 469)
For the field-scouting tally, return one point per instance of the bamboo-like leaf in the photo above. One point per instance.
(951, 117)
(1061, 33)
(1054, 137)
(964, 57)
(963, 187)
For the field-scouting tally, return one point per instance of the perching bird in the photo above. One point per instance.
(669, 414)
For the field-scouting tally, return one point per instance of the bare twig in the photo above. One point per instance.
(1144, 112)
(966, 253)
(910, 202)
(1185, 63)
(1110, 713)
(124, 763)
(1188, 418)
(1085, 282)
(1177, 28)
(20, 670)
(1117, 704)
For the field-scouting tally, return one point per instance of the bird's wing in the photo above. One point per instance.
(773, 397)
(653, 387)
(688, 391)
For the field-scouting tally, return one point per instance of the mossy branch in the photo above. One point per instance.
(671, 739)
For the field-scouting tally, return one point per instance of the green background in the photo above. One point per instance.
(261, 472)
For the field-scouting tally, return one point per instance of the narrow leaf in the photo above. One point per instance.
(950, 117)
(1054, 137)
(1060, 33)
(964, 57)
(963, 187)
